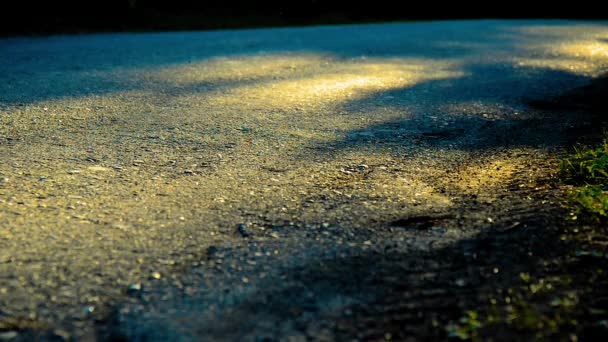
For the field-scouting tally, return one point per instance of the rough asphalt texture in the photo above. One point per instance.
(280, 184)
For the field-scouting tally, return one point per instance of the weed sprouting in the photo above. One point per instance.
(587, 169)
(587, 166)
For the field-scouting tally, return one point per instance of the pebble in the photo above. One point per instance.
(156, 275)
(242, 229)
(438, 230)
(460, 282)
(135, 289)
(89, 309)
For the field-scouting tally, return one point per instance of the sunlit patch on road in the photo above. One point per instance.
(112, 173)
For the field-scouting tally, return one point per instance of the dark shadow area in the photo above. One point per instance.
(413, 294)
(590, 98)
(480, 111)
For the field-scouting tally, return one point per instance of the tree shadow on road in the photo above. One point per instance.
(472, 113)
(393, 290)
(512, 276)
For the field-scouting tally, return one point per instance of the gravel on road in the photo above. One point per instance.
(272, 183)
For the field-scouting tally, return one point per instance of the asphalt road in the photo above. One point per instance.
(197, 185)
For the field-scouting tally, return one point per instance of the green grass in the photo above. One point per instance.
(587, 170)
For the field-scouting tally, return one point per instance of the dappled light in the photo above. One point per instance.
(254, 67)
(579, 49)
(156, 162)
(345, 81)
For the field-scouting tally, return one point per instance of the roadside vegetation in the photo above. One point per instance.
(587, 171)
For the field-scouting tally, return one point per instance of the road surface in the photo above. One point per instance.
(273, 183)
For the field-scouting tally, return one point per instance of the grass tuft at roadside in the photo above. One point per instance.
(587, 170)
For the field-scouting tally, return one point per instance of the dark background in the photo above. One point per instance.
(74, 16)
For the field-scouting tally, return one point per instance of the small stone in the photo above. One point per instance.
(135, 289)
(438, 230)
(73, 172)
(188, 172)
(3, 179)
(460, 282)
(274, 235)
(8, 335)
(325, 225)
(89, 309)
(242, 229)
(155, 275)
